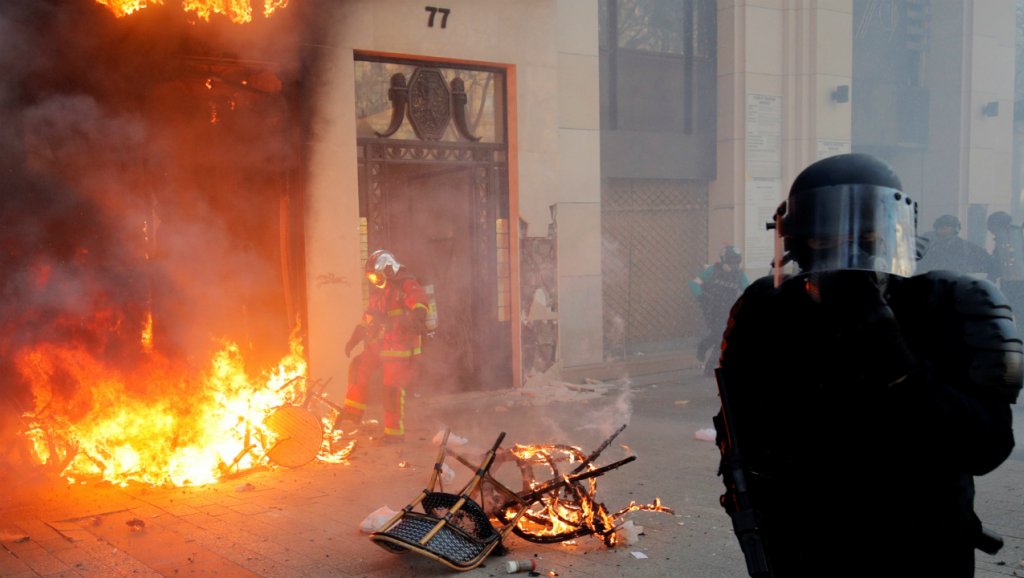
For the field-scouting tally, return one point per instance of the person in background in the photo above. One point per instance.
(392, 332)
(864, 398)
(716, 289)
(946, 250)
(1008, 254)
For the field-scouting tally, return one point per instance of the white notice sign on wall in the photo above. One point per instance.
(828, 148)
(763, 179)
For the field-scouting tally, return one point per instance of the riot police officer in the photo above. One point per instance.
(1008, 254)
(866, 398)
(946, 250)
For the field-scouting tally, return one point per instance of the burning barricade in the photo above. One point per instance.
(555, 504)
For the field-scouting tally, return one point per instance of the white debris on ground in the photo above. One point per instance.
(629, 533)
(447, 474)
(542, 388)
(453, 440)
(376, 519)
(707, 434)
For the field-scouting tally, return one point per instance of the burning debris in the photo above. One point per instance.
(461, 529)
(237, 423)
(150, 262)
(565, 505)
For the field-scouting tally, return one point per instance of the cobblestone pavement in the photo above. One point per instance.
(305, 521)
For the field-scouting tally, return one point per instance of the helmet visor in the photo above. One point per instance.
(863, 227)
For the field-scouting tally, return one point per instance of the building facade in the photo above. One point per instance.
(504, 221)
(558, 169)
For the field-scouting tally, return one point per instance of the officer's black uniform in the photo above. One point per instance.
(866, 402)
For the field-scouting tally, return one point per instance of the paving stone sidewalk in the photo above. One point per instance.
(306, 521)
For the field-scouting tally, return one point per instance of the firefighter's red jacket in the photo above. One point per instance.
(392, 330)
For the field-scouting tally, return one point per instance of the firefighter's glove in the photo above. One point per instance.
(358, 334)
(868, 341)
(373, 318)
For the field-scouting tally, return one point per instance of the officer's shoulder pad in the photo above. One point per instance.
(971, 295)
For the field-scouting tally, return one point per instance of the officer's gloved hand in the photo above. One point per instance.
(868, 339)
(848, 295)
(357, 335)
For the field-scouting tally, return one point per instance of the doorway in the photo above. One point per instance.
(437, 196)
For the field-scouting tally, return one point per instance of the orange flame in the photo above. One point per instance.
(147, 333)
(152, 425)
(238, 11)
(122, 8)
(572, 511)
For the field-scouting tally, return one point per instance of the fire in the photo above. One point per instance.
(147, 333)
(238, 11)
(154, 425)
(572, 510)
(123, 8)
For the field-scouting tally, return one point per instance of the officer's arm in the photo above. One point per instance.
(970, 411)
(697, 283)
(744, 346)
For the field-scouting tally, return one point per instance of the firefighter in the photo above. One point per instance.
(864, 398)
(391, 332)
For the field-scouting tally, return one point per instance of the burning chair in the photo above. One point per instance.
(566, 506)
(452, 528)
(460, 532)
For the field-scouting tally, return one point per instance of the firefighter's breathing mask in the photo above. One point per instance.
(378, 280)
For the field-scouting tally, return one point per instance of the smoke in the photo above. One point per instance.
(145, 164)
(608, 405)
(616, 411)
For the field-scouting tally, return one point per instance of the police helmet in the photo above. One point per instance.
(999, 221)
(847, 212)
(947, 221)
(731, 256)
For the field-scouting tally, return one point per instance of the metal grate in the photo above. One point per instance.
(655, 241)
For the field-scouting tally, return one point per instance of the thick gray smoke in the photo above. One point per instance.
(147, 165)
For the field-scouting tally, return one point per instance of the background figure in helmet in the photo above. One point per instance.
(865, 398)
(391, 331)
(716, 289)
(1008, 254)
(946, 250)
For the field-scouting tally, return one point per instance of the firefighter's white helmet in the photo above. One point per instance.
(381, 265)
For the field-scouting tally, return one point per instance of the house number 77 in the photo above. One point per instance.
(433, 12)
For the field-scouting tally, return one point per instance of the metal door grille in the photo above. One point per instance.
(655, 241)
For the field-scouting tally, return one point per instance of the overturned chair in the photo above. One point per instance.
(451, 528)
